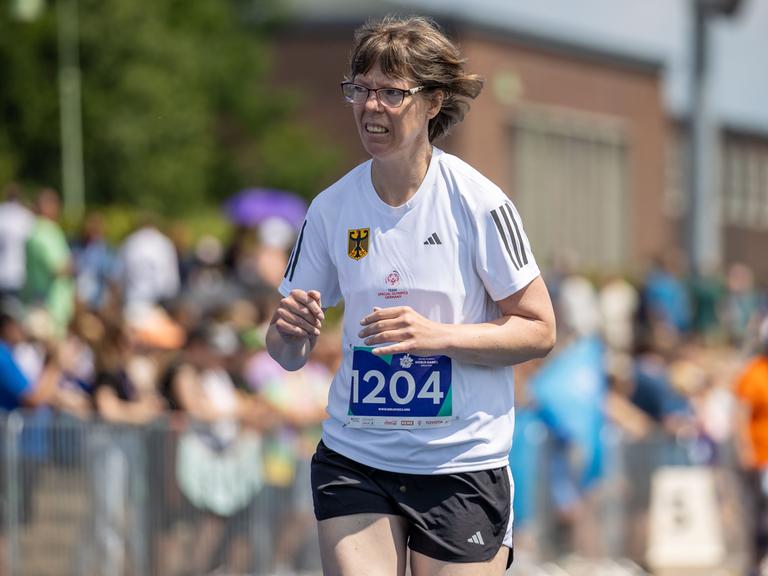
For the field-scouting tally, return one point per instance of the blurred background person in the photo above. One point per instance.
(574, 297)
(707, 295)
(209, 287)
(118, 519)
(149, 267)
(48, 284)
(16, 389)
(618, 300)
(298, 400)
(752, 447)
(116, 397)
(665, 307)
(567, 393)
(234, 258)
(16, 222)
(275, 239)
(95, 264)
(741, 304)
(219, 457)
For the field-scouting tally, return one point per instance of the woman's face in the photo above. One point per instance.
(387, 132)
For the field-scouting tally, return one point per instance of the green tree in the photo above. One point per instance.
(177, 113)
(29, 129)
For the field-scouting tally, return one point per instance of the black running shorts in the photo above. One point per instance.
(460, 517)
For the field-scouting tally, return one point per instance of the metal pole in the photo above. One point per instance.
(73, 180)
(14, 425)
(704, 227)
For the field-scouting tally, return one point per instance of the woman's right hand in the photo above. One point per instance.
(299, 316)
(294, 328)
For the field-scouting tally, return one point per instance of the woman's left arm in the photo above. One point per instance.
(525, 330)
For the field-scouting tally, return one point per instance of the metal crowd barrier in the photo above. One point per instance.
(84, 498)
(663, 505)
(91, 499)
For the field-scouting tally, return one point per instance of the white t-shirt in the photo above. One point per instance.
(15, 225)
(149, 267)
(450, 252)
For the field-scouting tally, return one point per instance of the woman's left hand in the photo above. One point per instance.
(409, 331)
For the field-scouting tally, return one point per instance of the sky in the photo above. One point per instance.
(650, 29)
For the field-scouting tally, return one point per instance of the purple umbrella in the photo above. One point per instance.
(252, 206)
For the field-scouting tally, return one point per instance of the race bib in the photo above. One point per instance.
(399, 390)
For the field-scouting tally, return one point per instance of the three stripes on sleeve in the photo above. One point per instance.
(508, 228)
(291, 268)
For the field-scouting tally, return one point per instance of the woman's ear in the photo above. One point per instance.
(435, 103)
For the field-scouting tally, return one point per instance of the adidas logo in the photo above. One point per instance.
(477, 538)
(434, 239)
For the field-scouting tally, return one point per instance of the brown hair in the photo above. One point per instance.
(414, 48)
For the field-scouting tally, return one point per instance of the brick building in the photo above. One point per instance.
(578, 137)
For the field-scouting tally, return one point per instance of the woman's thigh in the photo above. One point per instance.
(422, 565)
(364, 545)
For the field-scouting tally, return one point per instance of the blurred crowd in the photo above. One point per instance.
(659, 364)
(160, 328)
(129, 331)
(151, 331)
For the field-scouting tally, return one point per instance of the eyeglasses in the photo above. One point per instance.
(389, 97)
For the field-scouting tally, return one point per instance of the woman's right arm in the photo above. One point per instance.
(294, 328)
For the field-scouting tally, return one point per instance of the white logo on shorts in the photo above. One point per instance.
(476, 538)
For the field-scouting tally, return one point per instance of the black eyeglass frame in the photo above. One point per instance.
(403, 93)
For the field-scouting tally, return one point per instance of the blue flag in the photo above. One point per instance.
(569, 392)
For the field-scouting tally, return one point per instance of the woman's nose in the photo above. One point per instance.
(372, 102)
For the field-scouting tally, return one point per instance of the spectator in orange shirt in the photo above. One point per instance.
(752, 444)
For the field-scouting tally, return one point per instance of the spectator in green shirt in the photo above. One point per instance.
(49, 282)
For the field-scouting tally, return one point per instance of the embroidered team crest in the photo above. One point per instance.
(357, 243)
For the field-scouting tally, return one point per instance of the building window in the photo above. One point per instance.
(571, 187)
(745, 185)
(734, 200)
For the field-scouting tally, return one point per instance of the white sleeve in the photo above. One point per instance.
(504, 259)
(310, 266)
